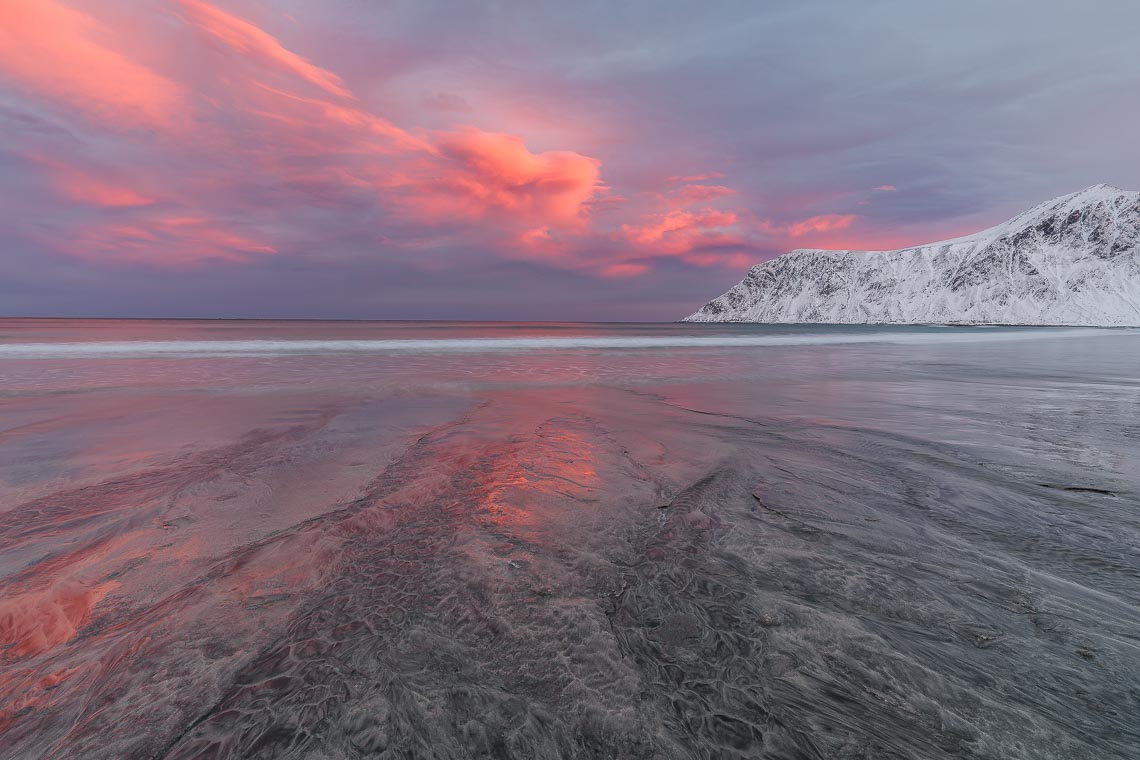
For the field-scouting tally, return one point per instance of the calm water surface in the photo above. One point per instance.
(404, 540)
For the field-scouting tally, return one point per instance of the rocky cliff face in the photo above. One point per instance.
(1074, 260)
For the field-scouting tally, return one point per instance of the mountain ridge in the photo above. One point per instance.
(1072, 260)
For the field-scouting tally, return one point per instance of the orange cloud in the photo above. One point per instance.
(248, 39)
(56, 51)
(885, 188)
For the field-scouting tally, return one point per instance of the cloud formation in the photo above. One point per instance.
(64, 55)
(248, 40)
(569, 151)
(92, 187)
(491, 171)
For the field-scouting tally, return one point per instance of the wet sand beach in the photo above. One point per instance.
(386, 540)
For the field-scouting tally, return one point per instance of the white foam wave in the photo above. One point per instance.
(195, 348)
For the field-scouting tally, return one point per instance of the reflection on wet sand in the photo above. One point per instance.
(575, 556)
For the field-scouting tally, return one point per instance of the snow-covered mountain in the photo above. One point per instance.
(1074, 260)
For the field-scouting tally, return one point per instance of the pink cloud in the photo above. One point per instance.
(250, 40)
(823, 223)
(165, 240)
(87, 187)
(461, 174)
(886, 188)
(677, 225)
(299, 148)
(491, 171)
(330, 127)
(64, 55)
(813, 224)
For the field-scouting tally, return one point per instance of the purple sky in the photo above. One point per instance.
(529, 160)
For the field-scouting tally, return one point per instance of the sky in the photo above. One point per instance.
(525, 160)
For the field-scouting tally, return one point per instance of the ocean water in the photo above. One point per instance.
(448, 540)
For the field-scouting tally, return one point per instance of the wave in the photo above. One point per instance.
(281, 347)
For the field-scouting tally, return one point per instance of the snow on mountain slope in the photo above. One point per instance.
(1074, 260)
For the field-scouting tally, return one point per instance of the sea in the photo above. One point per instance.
(290, 539)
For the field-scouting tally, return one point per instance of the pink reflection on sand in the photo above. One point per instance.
(554, 463)
(37, 621)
